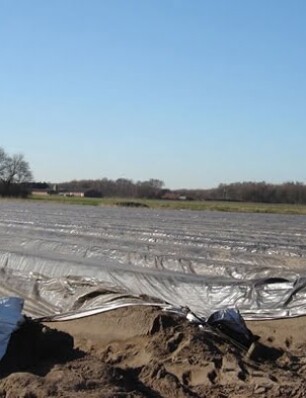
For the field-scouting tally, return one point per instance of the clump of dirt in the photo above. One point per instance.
(165, 357)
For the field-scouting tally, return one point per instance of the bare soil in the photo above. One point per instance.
(143, 352)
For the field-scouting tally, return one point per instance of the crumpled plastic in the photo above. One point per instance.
(230, 322)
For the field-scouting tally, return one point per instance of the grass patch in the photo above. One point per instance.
(178, 204)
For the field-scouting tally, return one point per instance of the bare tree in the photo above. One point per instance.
(18, 169)
(13, 170)
(3, 159)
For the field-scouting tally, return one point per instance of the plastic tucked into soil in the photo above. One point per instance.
(71, 260)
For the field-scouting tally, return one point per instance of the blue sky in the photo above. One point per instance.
(191, 92)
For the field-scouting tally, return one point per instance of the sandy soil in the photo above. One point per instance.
(143, 352)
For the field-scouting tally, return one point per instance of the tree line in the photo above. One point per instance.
(288, 192)
(124, 188)
(16, 180)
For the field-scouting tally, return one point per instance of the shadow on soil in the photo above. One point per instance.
(34, 344)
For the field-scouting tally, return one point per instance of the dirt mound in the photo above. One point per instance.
(143, 352)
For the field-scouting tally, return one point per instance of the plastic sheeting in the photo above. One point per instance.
(72, 260)
(231, 323)
(10, 319)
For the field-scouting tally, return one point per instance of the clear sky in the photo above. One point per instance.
(193, 92)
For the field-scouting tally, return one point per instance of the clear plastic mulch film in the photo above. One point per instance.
(71, 261)
(10, 320)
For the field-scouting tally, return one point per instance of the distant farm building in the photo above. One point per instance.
(40, 192)
(73, 194)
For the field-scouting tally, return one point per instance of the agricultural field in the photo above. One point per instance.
(180, 204)
(111, 288)
(178, 257)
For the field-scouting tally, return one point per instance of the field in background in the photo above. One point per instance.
(179, 205)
